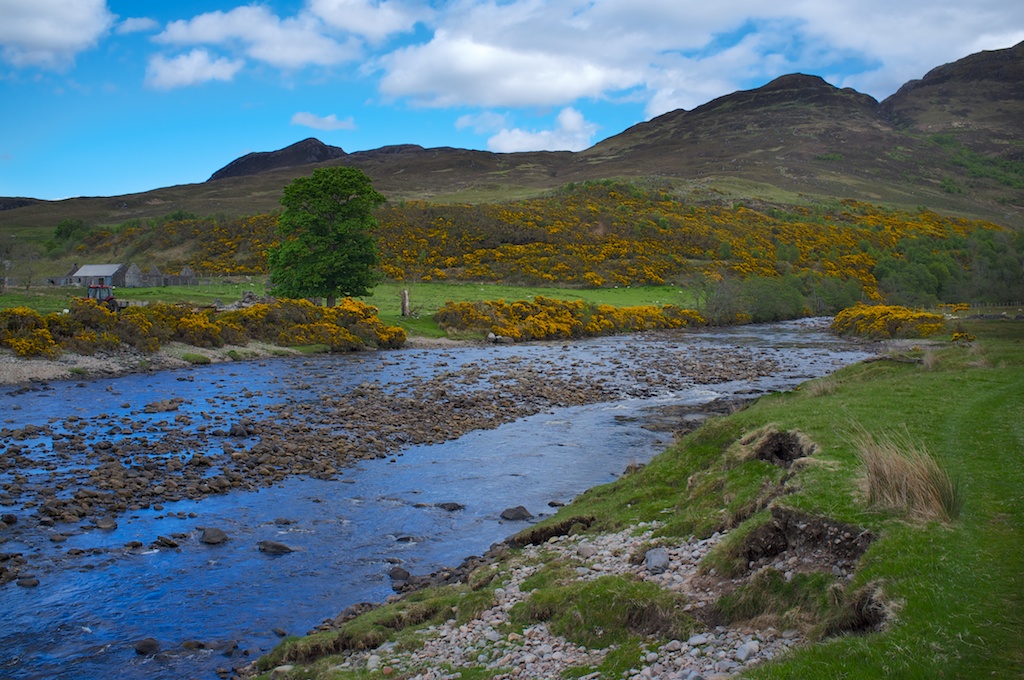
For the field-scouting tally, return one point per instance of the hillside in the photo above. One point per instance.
(952, 141)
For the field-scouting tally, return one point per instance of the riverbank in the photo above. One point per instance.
(795, 547)
(70, 366)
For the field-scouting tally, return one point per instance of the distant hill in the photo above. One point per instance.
(306, 152)
(953, 141)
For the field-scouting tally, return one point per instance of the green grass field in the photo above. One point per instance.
(425, 298)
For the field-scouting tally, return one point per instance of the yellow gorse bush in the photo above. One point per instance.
(88, 327)
(549, 319)
(887, 321)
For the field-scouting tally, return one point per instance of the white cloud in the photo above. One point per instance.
(198, 66)
(285, 43)
(681, 54)
(458, 70)
(372, 19)
(330, 122)
(50, 33)
(572, 133)
(136, 25)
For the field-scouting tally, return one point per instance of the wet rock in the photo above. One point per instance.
(147, 647)
(451, 507)
(165, 542)
(9, 519)
(106, 523)
(213, 536)
(516, 514)
(275, 548)
(280, 632)
(28, 582)
(399, 574)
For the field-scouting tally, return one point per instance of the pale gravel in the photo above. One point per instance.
(537, 653)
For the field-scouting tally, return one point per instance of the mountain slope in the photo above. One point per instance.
(953, 141)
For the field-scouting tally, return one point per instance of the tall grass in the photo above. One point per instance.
(903, 476)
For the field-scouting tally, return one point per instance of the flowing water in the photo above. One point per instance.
(89, 610)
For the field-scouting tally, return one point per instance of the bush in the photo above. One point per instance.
(887, 321)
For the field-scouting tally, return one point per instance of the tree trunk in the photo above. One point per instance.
(405, 302)
(331, 300)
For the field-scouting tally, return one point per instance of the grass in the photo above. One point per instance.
(426, 298)
(901, 475)
(950, 594)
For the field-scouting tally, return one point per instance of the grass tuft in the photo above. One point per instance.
(902, 475)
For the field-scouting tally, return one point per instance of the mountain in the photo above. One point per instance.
(952, 141)
(306, 152)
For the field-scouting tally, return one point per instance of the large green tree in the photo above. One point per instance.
(327, 247)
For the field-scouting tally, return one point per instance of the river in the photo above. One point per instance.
(101, 591)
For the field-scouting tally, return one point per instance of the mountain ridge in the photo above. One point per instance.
(952, 140)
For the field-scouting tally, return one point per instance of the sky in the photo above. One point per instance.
(110, 97)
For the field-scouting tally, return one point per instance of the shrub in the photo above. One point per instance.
(887, 321)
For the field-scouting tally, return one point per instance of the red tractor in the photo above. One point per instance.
(104, 295)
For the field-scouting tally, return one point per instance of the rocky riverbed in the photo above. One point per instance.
(91, 462)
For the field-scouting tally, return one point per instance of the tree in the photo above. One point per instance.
(327, 247)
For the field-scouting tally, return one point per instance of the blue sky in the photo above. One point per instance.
(102, 98)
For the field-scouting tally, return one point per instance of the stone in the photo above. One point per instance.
(213, 536)
(28, 582)
(656, 561)
(274, 548)
(399, 574)
(747, 650)
(147, 647)
(451, 507)
(516, 514)
(106, 523)
(281, 671)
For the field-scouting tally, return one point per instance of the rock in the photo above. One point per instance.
(282, 671)
(106, 523)
(28, 582)
(165, 542)
(193, 644)
(747, 650)
(213, 536)
(9, 519)
(451, 507)
(656, 561)
(147, 647)
(274, 548)
(373, 662)
(516, 514)
(280, 632)
(699, 639)
(399, 574)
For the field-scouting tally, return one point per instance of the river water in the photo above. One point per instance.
(89, 610)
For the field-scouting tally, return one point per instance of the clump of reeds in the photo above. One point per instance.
(902, 475)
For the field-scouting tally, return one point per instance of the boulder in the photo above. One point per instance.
(147, 647)
(516, 514)
(399, 574)
(274, 548)
(656, 561)
(212, 536)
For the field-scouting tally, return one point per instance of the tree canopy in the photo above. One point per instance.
(327, 248)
